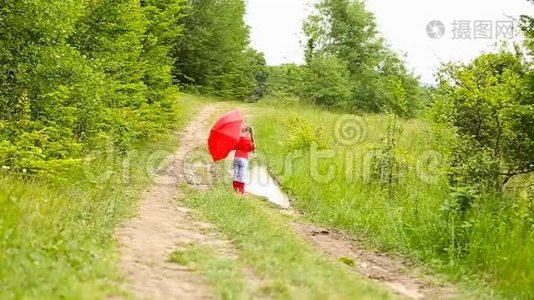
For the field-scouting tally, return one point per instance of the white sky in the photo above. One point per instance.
(276, 28)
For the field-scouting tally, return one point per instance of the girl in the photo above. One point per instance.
(243, 148)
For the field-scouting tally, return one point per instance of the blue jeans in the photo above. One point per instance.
(240, 169)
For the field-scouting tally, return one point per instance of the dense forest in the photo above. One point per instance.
(78, 76)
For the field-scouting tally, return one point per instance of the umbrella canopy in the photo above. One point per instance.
(225, 135)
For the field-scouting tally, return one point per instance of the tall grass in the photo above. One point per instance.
(56, 237)
(493, 242)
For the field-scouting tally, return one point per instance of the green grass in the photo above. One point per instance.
(225, 275)
(491, 245)
(56, 238)
(289, 267)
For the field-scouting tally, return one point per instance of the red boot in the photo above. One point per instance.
(241, 187)
(235, 184)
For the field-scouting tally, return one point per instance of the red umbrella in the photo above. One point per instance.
(225, 135)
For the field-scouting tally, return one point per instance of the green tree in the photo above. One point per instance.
(346, 29)
(130, 44)
(48, 92)
(378, 79)
(327, 81)
(212, 55)
(286, 80)
(487, 103)
(527, 27)
(258, 73)
(110, 35)
(163, 30)
(75, 75)
(401, 91)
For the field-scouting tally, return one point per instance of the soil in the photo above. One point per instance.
(162, 226)
(393, 272)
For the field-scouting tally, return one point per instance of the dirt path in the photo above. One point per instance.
(404, 280)
(147, 241)
(162, 226)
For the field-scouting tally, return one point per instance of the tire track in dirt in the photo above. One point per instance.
(162, 226)
(392, 272)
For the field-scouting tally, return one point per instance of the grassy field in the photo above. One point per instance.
(335, 174)
(286, 265)
(56, 238)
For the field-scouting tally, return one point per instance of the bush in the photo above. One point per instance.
(486, 103)
(302, 135)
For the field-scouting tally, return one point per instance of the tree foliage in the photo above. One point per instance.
(82, 75)
(327, 81)
(77, 75)
(378, 79)
(488, 102)
(213, 55)
(285, 80)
